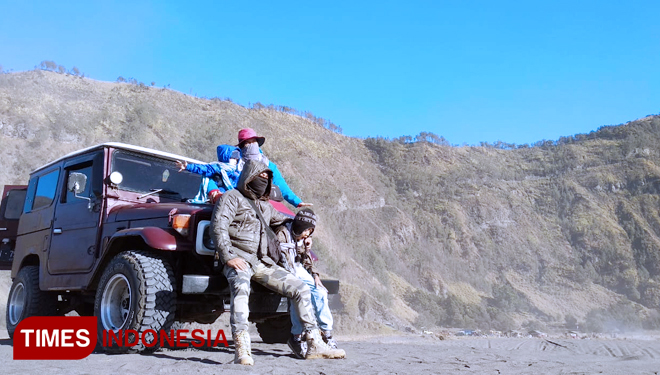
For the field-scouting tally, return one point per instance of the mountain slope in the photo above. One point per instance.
(421, 234)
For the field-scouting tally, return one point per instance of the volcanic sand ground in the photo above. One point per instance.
(404, 354)
(411, 354)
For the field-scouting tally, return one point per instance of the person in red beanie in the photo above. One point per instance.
(250, 145)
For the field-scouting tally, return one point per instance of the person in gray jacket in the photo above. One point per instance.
(241, 248)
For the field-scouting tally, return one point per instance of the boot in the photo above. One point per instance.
(327, 338)
(316, 348)
(242, 348)
(298, 346)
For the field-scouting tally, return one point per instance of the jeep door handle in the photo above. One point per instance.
(57, 231)
(3, 228)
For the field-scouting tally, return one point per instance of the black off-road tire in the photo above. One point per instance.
(26, 299)
(275, 330)
(136, 291)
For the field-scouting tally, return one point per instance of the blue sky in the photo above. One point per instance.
(470, 71)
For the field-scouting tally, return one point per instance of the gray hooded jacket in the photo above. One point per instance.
(235, 226)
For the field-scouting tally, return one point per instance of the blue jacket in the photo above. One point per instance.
(225, 151)
(205, 187)
(209, 170)
(278, 180)
(228, 172)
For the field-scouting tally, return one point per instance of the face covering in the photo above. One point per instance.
(258, 186)
(251, 151)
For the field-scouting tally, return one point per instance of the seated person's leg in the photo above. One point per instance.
(296, 326)
(322, 308)
(279, 280)
(319, 298)
(301, 273)
(239, 287)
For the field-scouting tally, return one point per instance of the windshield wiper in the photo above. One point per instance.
(156, 191)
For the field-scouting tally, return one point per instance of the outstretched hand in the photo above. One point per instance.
(181, 165)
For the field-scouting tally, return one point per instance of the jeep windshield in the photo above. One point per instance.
(151, 175)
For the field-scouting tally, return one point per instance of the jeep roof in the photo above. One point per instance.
(123, 146)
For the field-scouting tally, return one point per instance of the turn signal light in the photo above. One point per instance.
(180, 223)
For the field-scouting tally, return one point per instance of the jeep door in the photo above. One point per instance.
(13, 199)
(34, 227)
(73, 247)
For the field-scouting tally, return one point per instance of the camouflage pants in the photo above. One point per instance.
(274, 278)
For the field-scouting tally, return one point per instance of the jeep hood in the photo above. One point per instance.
(138, 211)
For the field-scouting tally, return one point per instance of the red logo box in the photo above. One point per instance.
(60, 337)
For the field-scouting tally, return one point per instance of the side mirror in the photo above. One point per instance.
(77, 183)
(116, 178)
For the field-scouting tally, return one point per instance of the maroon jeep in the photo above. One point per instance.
(110, 231)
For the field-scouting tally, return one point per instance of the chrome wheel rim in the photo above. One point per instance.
(115, 303)
(16, 304)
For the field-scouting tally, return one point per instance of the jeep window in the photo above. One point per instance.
(46, 186)
(147, 174)
(15, 200)
(85, 169)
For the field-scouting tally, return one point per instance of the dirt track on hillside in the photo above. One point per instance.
(381, 355)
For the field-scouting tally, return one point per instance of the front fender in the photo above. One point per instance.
(156, 238)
